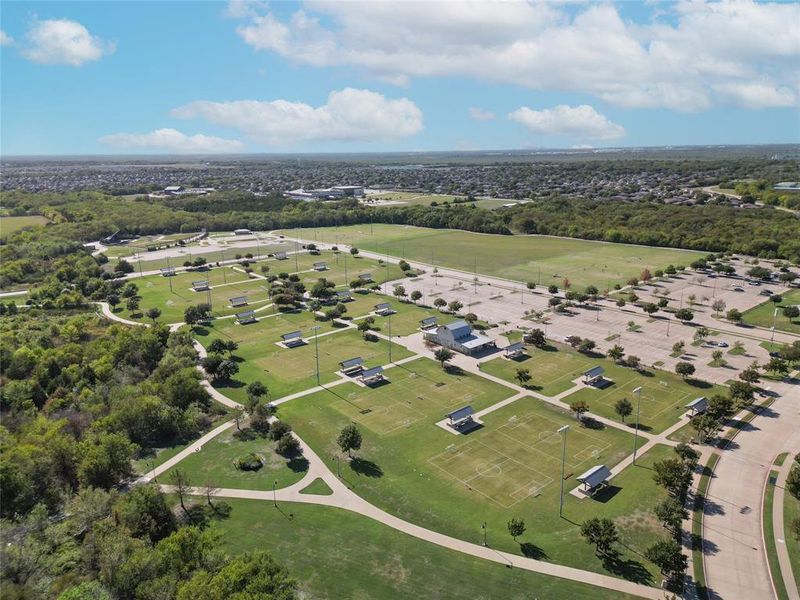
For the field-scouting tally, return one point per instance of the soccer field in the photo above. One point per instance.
(762, 315)
(415, 392)
(542, 259)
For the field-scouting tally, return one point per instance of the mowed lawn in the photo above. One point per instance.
(9, 225)
(214, 464)
(542, 259)
(508, 468)
(334, 553)
(791, 512)
(289, 370)
(226, 283)
(405, 320)
(762, 314)
(552, 368)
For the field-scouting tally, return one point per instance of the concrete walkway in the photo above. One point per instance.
(780, 531)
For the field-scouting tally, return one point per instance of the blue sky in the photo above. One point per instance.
(206, 77)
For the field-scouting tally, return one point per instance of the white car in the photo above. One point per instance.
(722, 344)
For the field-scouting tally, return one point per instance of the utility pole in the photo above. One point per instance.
(169, 275)
(274, 494)
(638, 392)
(772, 335)
(483, 526)
(563, 430)
(296, 267)
(390, 338)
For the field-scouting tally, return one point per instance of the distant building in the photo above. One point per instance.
(331, 193)
(242, 232)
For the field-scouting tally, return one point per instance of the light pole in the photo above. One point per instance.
(390, 337)
(274, 493)
(316, 349)
(772, 335)
(169, 275)
(563, 430)
(483, 526)
(638, 392)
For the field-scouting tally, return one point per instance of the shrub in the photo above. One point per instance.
(249, 462)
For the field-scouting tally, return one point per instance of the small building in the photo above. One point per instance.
(344, 296)
(248, 316)
(280, 256)
(350, 190)
(293, 339)
(371, 376)
(593, 376)
(698, 406)
(514, 350)
(173, 189)
(459, 336)
(365, 277)
(461, 419)
(314, 251)
(320, 266)
(352, 366)
(384, 309)
(242, 232)
(167, 271)
(428, 323)
(594, 478)
(201, 286)
(238, 301)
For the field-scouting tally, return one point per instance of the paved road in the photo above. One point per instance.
(735, 561)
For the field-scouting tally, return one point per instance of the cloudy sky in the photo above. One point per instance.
(254, 76)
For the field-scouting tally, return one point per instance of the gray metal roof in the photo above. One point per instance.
(382, 306)
(698, 404)
(167, 269)
(352, 362)
(428, 321)
(373, 372)
(365, 276)
(475, 341)
(238, 300)
(594, 372)
(515, 347)
(595, 476)
(197, 284)
(291, 335)
(280, 255)
(461, 413)
(246, 315)
(320, 264)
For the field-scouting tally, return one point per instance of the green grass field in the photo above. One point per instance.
(552, 369)
(288, 370)
(664, 395)
(524, 258)
(9, 225)
(336, 554)
(767, 526)
(762, 314)
(214, 464)
(508, 468)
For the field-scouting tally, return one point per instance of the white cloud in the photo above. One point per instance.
(582, 122)
(678, 60)
(239, 9)
(63, 42)
(757, 94)
(172, 140)
(349, 115)
(480, 114)
(5, 39)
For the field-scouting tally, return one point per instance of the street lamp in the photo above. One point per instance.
(772, 335)
(274, 493)
(316, 349)
(563, 430)
(483, 526)
(389, 322)
(638, 392)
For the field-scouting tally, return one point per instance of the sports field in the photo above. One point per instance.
(762, 315)
(542, 259)
(214, 464)
(510, 467)
(11, 224)
(288, 370)
(664, 395)
(226, 283)
(415, 392)
(552, 369)
(404, 321)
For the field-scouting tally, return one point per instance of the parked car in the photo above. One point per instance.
(722, 344)
(754, 283)
(738, 289)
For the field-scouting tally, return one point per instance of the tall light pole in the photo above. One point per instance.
(638, 392)
(316, 349)
(169, 275)
(274, 493)
(390, 337)
(483, 526)
(772, 335)
(562, 430)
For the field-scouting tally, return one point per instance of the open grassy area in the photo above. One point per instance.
(337, 554)
(288, 370)
(762, 315)
(507, 468)
(524, 258)
(214, 463)
(664, 395)
(406, 319)
(11, 224)
(552, 369)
